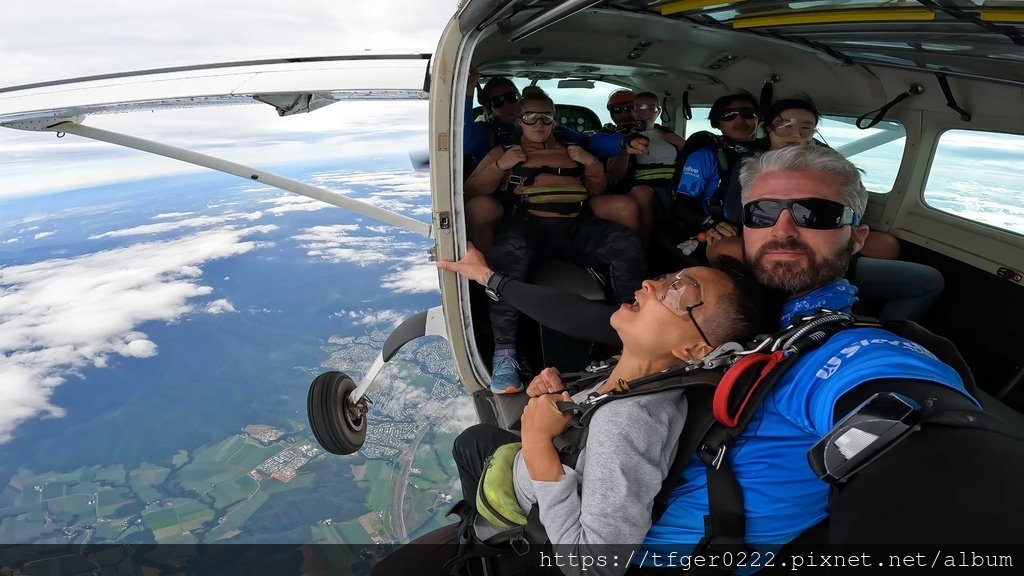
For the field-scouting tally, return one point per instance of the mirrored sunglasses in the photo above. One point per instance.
(531, 118)
(620, 109)
(642, 107)
(501, 100)
(813, 213)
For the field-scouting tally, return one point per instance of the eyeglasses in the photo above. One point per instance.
(676, 294)
(643, 107)
(746, 114)
(531, 118)
(789, 128)
(620, 109)
(813, 213)
(501, 100)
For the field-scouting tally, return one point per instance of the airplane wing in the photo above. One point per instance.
(292, 86)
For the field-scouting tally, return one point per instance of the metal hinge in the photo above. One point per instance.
(442, 141)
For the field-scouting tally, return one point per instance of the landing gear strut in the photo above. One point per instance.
(338, 424)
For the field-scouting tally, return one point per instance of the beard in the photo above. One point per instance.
(796, 277)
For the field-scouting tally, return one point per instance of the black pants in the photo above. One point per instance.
(585, 240)
(427, 554)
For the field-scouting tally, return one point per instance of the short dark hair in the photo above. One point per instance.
(494, 83)
(646, 95)
(751, 308)
(717, 109)
(801, 102)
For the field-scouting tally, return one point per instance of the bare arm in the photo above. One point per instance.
(487, 176)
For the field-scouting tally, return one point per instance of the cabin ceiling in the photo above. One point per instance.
(838, 50)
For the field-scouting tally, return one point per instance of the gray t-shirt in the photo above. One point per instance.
(630, 447)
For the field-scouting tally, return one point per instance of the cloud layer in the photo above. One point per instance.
(59, 316)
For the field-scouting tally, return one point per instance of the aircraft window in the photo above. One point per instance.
(877, 150)
(593, 98)
(976, 175)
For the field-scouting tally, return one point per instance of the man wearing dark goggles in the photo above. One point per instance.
(813, 213)
(620, 108)
(801, 226)
(704, 183)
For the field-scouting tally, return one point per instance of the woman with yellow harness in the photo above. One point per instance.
(544, 184)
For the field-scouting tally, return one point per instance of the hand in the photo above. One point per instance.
(471, 84)
(547, 382)
(720, 230)
(472, 265)
(636, 143)
(578, 154)
(511, 157)
(542, 420)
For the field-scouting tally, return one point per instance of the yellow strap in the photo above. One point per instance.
(659, 173)
(555, 194)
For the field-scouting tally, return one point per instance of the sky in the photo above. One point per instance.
(66, 39)
(64, 314)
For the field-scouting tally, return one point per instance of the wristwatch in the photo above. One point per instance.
(494, 285)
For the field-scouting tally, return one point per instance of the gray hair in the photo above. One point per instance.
(809, 157)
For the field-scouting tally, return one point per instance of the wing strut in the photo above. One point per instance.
(243, 171)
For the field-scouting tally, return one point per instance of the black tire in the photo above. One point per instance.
(332, 423)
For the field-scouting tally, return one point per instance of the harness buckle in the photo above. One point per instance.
(724, 354)
(713, 461)
(515, 180)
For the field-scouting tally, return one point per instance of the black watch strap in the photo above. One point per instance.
(494, 285)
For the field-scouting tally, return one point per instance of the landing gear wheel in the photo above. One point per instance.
(339, 426)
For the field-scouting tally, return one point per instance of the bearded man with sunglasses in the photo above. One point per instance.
(801, 214)
(549, 183)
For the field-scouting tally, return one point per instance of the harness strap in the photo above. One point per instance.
(725, 527)
(727, 409)
(525, 175)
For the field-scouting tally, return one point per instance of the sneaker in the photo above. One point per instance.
(505, 372)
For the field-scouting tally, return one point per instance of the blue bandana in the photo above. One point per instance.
(838, 296)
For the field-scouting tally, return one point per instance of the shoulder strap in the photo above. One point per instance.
(742, 390)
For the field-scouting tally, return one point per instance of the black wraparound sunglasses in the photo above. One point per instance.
(501, 100)
(813, 213)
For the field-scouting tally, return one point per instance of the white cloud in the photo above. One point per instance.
(59, 316)
(171, 215)
(112, 35)
(45, 234)
(342, 243)
(294, 203)
(416, 279)
(219, 307)
(384, 318)
(198, 222)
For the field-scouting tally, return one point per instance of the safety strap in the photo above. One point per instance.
(526, 175)
(767, 93)
(687, 111)
(649, 173)
(741, 391)
(914, 89)
(950, 100)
